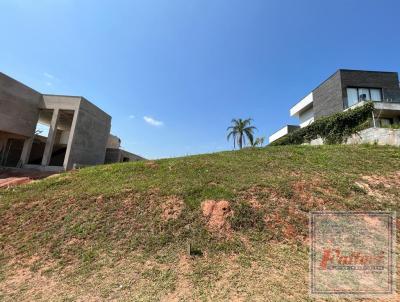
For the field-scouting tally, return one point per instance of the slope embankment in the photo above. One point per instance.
(218, 227)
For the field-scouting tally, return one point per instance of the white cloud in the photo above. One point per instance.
(153, 122)
(49, 83)
(48, 75)
(131, 116)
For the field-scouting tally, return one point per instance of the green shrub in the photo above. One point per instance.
(333, 129)
(391, 126)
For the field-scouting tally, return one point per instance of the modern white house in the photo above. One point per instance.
(348, 89)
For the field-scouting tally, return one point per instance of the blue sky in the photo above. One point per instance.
(173, 73)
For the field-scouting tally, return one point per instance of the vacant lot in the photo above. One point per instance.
(217, 227)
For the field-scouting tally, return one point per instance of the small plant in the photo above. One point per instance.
(246, 217)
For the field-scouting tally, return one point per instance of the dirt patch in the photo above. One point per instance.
(258, 193)
(282, 215)
(75, 241)
(13, 177)
(100, 199)
(172, 208)
(379, 186)
(184, 286)
(255, 204)
(14, 181)
(216, 214)
(389, 181)
(34, 283)
(151, 164)
(367, 188)
(303, 193)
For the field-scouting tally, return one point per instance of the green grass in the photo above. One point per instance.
(99, 232)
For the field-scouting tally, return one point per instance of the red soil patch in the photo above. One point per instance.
(13, 181)
(392, 180)
(172, 208)
(217, 213)
(14, 177)
(304, 194)
(151, 164)
(184, 286)
(283, 215)
(379, 186)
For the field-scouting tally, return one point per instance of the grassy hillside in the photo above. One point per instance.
(224, 226)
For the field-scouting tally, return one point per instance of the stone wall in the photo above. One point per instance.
(380, 136)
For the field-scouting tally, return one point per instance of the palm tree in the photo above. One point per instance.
(239, 130)
(258, 142)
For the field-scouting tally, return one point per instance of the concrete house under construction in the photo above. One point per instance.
(78, 131)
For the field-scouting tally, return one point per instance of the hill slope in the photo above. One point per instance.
(224, 226)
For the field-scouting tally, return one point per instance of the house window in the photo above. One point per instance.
(376, 95)
(352, 96)
(356, 95)
(363, 94)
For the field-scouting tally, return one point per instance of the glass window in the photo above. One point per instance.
(376, 95)
(352, 96)
(363, 94)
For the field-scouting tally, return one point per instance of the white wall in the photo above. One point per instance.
(278, 134)
(307, 101)
(306, 117)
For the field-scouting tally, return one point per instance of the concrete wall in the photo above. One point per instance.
(130, 156)
(113, 142)
(117, 155)
(89, 137)
(282, 132)
(50, 101)
(306, 117)
(328, 98)
(19, 107)
(112, 156)
(380, 136)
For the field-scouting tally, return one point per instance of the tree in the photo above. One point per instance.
(240, 130)
(258, 142)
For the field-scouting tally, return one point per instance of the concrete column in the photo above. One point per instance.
(51, 138)
(67, 160)
(26, 151)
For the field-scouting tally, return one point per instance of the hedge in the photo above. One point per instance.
(333, 129)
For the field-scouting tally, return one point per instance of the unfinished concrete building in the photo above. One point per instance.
(78, 132)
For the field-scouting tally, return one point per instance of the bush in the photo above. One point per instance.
(392, 126)
(333, 129)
